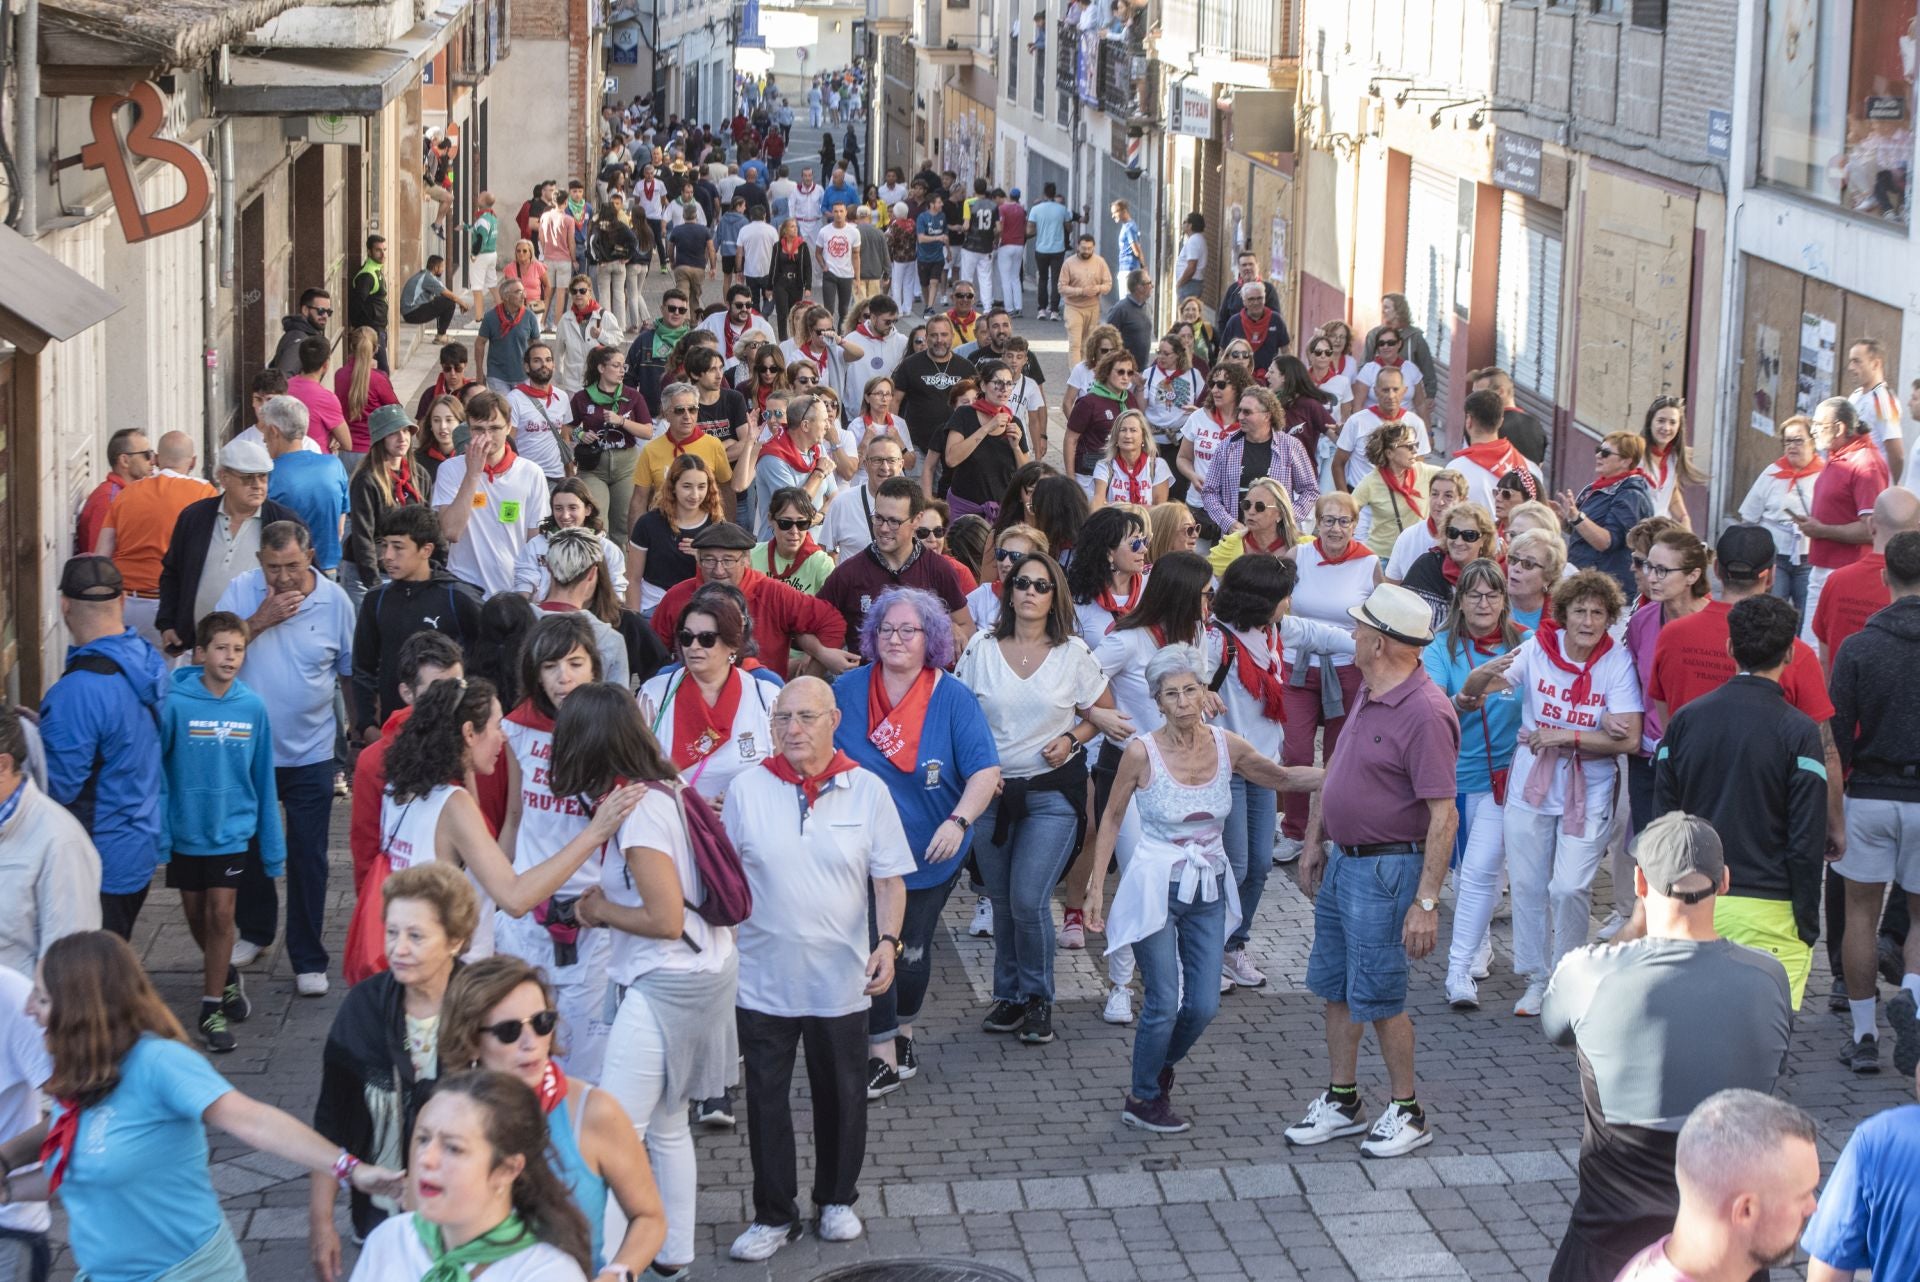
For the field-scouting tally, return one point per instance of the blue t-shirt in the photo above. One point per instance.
(1497, 723)
(1129, 246)
(295, 665)
(845, 194)
(955, 744)
(931, 224)
(1530, 620)
(123, 1223)
(689, 241)
(1869, 1214)
(1049, 219)
(315, 487)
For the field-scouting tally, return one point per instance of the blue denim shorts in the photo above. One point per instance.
(1358, 918)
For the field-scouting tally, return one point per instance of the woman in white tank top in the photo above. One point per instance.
(454, 733)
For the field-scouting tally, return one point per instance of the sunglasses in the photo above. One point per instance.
(1320, 351)
(700, 640)
(1463, 536)
(1527, 563)
(1136, 544)
(1187, 531)
(1039, 587)
(957, 294)
(930, 532)
(793, 522)
(1219, 382)
(578, 293)
(1256, 506)
(675, 311)
(507, 1031)
(1604, 452)
(804, 380)
(321, 311)
(1387, 342)
(1003, 555)
(1118, 370)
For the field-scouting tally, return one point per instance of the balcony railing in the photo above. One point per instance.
(1244, 30)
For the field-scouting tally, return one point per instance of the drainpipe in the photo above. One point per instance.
(218, 276)
(26, 121)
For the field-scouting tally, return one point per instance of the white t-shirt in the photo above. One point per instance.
(1206, 433)
(804, 950)
(805, 206)
(538, 436)
(757, 241)
(750, 742)
(1124, 489)
(410, 836)
(1024, 713)
(1359, 429)
(547, 822)
(394, 1252)
(307, 443)
(507, 511)
(983, 607)
(848, 529)
(1879, 407)
(1324, 594)
(881, 356)
(1370, 375)
(1192, 250)
(24, 1063)
(1123, 656)
(1081, 377)
(1546, 694)
(836, 248)
(530, 575)
(1414, 542)
(1340, 387)
(658, 824)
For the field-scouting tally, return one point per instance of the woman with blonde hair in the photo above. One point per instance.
(1394, 495)
(362, 389)
(1267, 527)
(1171, 527)
(1536, 560)
(1466, 536)
(1619, 497)
(527, 268)
(1132, 471)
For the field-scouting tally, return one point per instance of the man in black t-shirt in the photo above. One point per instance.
(924, 380)
(981, 238)
(723, 411)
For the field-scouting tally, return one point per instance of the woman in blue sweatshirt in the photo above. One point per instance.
(219, 804)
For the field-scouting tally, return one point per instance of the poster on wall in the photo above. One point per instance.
(1766, 378)
(1277, 253)
(1818, 339)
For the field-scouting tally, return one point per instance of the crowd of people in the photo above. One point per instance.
(685, 660)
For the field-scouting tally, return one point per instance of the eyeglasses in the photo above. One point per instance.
(898, 632)
(891, 522)
(1219, 383)
(1337, 522)
(1524, 563)
(1001, 384)
(683, 409)
(1187, 531)
(780, 720)
(1604, 452)
(507, 1031)
(1387, 342)
(1007, 554)
(793, 522)
(930, 532)
(1463, 536)
(1039, 587)
(1119, 370)
(697, 640)
(720, 560)
(579, 293)
(1486, 597)
(1661, 571)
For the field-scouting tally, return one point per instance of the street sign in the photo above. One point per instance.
(1516, 163)
(1190, 110)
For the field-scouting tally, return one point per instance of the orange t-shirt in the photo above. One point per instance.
(141, 518)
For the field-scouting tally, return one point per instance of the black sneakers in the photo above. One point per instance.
(1862, 1056)
(214, 1033)
(234, 1001)
(1154, 1115)
(1005, 1017)
(882, 1079)
(1037, 1028)
(717, 1111)
(1904, 1015)
(909, 1062)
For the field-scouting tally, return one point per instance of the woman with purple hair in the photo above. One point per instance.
(922, 732)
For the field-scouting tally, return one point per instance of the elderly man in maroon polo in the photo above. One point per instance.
(1388, 818)
(1843, 495)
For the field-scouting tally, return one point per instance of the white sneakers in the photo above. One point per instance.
(1286, 849)
(1399, 1130)
(982, 924)
(760, 1241)
(1528, 1007)
(1611, 926)
(1235, 967)
(1462, 992)
(1119, 1008)
(311, 983)
(1483, 957)
(1326, 1120)
(245, 952)
(839, 1224)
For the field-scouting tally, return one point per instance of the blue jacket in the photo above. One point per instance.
(845, 194)
(1616, 509)
(220, 793)
(103, 755)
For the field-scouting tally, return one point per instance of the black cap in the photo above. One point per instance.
(726, 536)
(1743, 552)
(90, 578)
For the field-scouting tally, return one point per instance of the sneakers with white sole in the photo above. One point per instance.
(1615, 922)
(1399, 1130)
(245, 952)
(981, 927)
(1462, 992)
(311, 983)
(839, 1224)
(1483, 957)
(760, 1241)
(1119, 1008)
(1073, 929)
(1528, 1007)
(1235, 966)
(1327, 1119)
(1286, 849)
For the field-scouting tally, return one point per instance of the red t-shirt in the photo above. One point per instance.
(1852, 595)
(1853, 478)
(1691, 659)
(1013, 224)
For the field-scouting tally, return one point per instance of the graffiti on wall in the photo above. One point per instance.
(967, 147)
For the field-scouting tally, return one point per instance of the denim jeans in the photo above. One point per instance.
(1020, 878)
(1180, 973)
(1249, 842)
(1359, 956)
(306, 795)
(1790, 582)
(914, 971)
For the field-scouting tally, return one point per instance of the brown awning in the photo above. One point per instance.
(45, 300)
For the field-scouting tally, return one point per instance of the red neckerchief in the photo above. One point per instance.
(61, 1137)
(862, 330)
(1255, 334)
(1859, 442)
(895, 728)
(784, 448)
(538, 395)
(508, 326)
(807, 548)
(1266, 684)
(1318, 381)
(820, 361)
(1407, 486)
(789, 247)
(647, 187)
(1490, 644)
(1497, 457)
(1549, 637)
(582, 316)
(1432, 528)
(761, 391)
(698, 731)
(1250, 544)
(1219, 420)
(1355, 550)
(1139, 490)
(1450, 570)
(805, 189)
(1108, 602)
(531, 717)
(1788, 473)
(964, 322)
(404, 490)
(1666, 464)
(553, 1087)
(728, 335)
(1384, 363)
(507, 460)
(681, 447)
(434, 453)
(1596, 485)
(810, 785)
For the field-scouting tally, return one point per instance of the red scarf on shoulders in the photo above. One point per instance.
(1355, 550)
(495, 471)
(1111, 604)
(1497, 457)
(1549, 637)
(810, 785)
(807, 548)
(895, 728)
(698, 731)
(1790, 474)
(1248, 543)
(1598, 484)
(1267, 684)
(553, 1087)
(1255, 334)
(404, 490)
(681, 447)
(788, 451)
(1406, 485)
(1666, 464)
(1139, 487)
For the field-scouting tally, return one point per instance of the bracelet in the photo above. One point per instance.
(1576, 741)
(959, 820)
(343, 1169)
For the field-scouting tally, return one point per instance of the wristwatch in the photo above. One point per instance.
(962, 821)
(1427, 905)
(898, 947)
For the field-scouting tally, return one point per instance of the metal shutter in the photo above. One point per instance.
(1432, 224)
(1526, 340)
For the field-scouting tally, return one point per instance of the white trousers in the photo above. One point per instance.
(1483, 865)
(1551, 875)
(906, 284)
(1011, 263)
(636, 1073)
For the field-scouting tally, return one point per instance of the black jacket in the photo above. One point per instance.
(646, 373)
(1876, 704)
(389, 615)
(1751, 764)
(367, 299)
(294, 330)
(187, 555)
(1427, 578)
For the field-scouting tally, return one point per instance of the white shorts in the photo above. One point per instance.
(483, 272)
(1883, 843)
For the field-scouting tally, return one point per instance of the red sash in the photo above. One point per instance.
(895, 728)
(698, 731)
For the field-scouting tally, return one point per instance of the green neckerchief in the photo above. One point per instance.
(1101, 389)
(664, 338)
(508, 1238)
(605, 400)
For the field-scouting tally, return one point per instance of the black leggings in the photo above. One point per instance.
(1050, 280)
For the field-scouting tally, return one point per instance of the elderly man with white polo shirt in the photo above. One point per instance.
(490, 499)
(815, 832)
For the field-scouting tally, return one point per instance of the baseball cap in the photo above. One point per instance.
(1742, 552)
(1681, 857)
(1014, 194)
(90, 578)
(250, 458)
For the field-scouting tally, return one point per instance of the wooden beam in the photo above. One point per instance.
(89, 82)
(69, 47)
